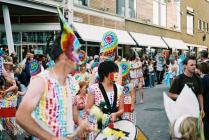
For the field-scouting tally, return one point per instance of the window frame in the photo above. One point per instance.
(157, 17)
(189, 14)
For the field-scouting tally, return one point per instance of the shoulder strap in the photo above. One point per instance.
(113, 108)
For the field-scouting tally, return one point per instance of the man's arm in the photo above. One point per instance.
(174, 89)
(89, 102)
(30, 101)
(200, 99)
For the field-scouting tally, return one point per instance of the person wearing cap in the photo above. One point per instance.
(204, 56)
(47, 110)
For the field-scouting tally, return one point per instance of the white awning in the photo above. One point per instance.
(148, 40)
(197, 46)
(95, 33)
(175, 43)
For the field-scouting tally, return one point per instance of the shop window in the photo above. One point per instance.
(190, 22)
(199, 24)
(81, 2)
(120, 7)
(203, 26)
(16, 38)
(132, 8)
(159, 12)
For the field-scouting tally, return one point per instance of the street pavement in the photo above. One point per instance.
(151, 116)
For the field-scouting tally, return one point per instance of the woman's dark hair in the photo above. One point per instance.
(189, 58)
(56, 49)
(203, 67)
(105, 68)
(132, 56)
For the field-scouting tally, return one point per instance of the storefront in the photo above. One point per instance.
(24, 42)
(90, 37)
(148, 43)
(195, 49)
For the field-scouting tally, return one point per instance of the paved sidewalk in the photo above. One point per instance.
(151, 117)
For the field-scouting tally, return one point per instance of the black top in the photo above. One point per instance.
(205, 83)
(193, 82)
(109, 109)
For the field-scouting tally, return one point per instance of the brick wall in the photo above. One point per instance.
(94, 20)
(104, 5)
(110, 5)
(82, 16)
(109, 23)
(96, 4)
(98, 21)
(120, 25)
(145, 10)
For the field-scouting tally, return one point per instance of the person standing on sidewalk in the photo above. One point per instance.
(159, 65)
(189, 78)
(203, 71)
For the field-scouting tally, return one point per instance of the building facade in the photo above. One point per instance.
(174, 24)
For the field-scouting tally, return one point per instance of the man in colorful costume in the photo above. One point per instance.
(47, 111)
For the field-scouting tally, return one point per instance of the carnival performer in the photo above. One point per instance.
(8, 100)
(106, 95)
(80, 103)
(47, 110)
(108, 51)
(35, 67)
(184, 116)
(81, 98)
(128, 93)
(82, 75)
(136, 75)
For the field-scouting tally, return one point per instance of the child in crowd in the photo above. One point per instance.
(80, 98)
